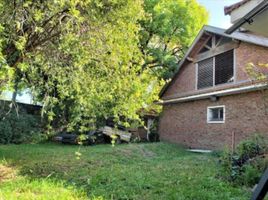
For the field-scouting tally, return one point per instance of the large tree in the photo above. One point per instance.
(80, 58)
(88, 60)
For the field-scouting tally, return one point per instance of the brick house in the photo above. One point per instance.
(212, 102)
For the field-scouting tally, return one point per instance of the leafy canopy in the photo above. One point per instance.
(167, 31)
(88, 60)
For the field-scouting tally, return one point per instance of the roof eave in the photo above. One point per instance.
(226, 92)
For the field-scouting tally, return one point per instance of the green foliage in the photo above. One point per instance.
(136, 171)
(251, 175)
(22, 128)
(39, 189)
(246, 165)
(81, 59)
(251, 148)
(88, 60)
(167, 31)
(257, 71)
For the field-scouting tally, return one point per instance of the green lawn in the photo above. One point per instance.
(135, 171)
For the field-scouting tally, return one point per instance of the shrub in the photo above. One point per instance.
(246, 164)
(250, 176)
(22, 128)
(5, 132)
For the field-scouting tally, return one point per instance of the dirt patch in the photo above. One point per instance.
(137, 150)
(147, 153)
(127, 152)
(6, 173)
(144, 151)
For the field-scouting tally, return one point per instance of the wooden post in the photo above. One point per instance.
(233, 142)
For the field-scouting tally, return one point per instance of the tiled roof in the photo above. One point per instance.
(231, 8)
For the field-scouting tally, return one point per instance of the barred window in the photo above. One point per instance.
(216, 70)
(224, 69)
(205, 73)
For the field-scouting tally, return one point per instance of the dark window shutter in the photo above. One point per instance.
(205, 73)
(224, 68)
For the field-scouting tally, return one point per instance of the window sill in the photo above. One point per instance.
(215, 122)
(218, 86)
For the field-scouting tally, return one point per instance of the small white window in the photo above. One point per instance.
(216, 114)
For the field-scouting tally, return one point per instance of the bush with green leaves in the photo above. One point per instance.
(20, 128)
(246, 164)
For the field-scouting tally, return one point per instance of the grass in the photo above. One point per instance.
(134, 171)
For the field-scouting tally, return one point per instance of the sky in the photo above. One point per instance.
(216, 18)
(216, 12)
(22, 97)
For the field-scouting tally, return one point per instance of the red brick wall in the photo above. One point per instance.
(247, 53)
(185, 81)
(186, 123)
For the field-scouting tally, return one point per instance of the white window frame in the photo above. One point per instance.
(208, 115)
(234, 66)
